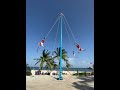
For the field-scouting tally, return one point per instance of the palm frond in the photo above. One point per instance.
(37, 62)
(41, 64)
(37, 59)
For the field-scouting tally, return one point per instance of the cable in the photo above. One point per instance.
(52, 27)
(70, 29)
(67, 33)
(56, 34)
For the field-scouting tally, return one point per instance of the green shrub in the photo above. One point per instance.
(28, 67)
(28, 73)
(81, 74)
(85, 73)
(92, 73)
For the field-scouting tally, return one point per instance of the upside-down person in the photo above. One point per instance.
(41, 43)
(79, 48)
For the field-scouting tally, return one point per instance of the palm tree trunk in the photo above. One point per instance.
(58, 61)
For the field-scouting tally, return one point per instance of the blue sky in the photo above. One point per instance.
(41, 15)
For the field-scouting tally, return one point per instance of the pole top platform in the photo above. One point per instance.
(61, 14)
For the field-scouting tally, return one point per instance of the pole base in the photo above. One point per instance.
(60, 78)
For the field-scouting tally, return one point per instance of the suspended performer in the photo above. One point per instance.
(73, 53)
(79, 48)
(41, 43)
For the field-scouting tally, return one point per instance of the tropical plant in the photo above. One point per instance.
(28, 70)
(46, 58)
(64, 57)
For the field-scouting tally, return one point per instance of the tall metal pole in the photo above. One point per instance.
(60, 74)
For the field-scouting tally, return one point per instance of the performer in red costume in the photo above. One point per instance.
(41, 43)
(79, 48)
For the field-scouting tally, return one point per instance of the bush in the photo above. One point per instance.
(81, 74)
(28, 67)
(92, 73)
(28, 73)
(85, 73)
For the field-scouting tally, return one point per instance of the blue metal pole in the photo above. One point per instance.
(60, 74)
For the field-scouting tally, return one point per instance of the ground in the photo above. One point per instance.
(47, 82)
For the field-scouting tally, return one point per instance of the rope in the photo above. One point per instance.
(70, 29)
(52, 27)
(67, 33)
(56, 34)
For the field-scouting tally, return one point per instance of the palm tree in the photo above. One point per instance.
(50, 64)
(64, 57)
(45, 58)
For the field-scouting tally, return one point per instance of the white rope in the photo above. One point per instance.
(56, 34)
(67, 33)
(52, 27)
(70, 29)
